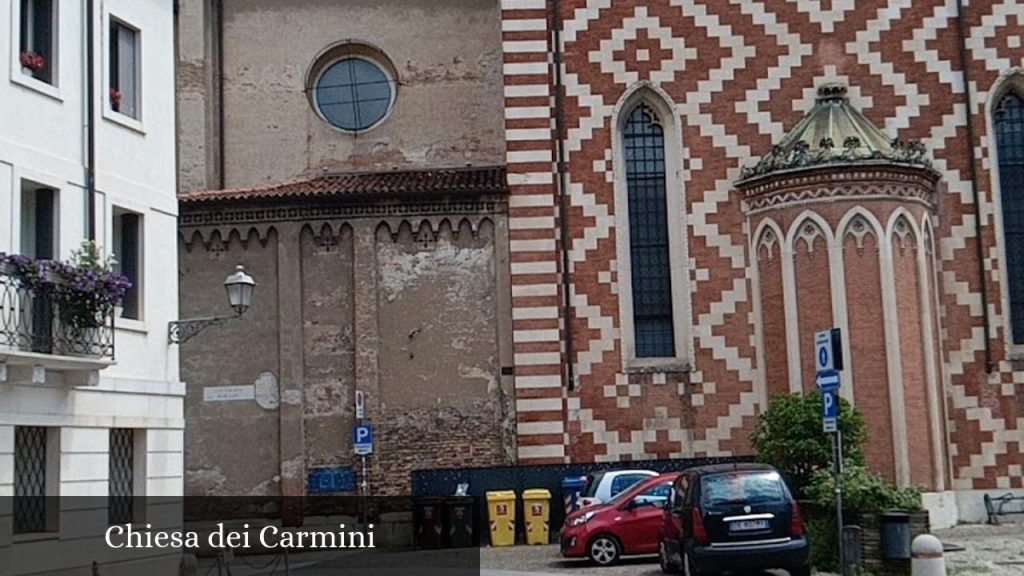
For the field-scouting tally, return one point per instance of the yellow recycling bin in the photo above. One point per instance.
(537, 508)
(501, 512)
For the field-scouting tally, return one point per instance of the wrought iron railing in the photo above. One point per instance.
(31, 321)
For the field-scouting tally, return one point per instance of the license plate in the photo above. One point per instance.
(744, 525)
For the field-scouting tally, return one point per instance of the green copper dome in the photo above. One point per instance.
(833, 132)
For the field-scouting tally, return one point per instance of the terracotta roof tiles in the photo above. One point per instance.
(448, 181)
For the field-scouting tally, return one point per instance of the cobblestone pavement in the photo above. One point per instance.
(981, 550)
(548, 560)
(994, 550)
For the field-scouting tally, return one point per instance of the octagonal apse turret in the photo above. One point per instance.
(841, 217)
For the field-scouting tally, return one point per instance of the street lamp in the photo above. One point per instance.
(239, 287)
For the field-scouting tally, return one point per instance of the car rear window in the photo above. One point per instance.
(623, 481)
(590, 488)
(742, 487)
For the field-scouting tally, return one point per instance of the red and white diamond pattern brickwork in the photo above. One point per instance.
(739, 74)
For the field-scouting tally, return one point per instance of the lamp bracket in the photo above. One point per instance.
(180, 331)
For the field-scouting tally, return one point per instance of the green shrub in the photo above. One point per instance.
(789, 436)
(823, 538)
(863, 491)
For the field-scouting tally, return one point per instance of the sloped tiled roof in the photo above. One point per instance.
(448, 181)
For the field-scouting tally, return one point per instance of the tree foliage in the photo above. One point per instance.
(789, 436)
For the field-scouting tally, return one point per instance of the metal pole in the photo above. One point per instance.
(837, 445)
(366, 489)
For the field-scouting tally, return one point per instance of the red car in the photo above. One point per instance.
(627, 525)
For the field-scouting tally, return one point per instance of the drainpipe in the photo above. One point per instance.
(220, 93)
(90, 121)
(563, 190)
(980, 249)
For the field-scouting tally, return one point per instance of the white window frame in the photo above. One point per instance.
(1010, 80)
(117, 210)
(17, 77)
(661, 103)
(33, 180)
(133, 123)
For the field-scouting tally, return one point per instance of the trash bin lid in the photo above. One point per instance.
(537, 494)
(896, 516)
(501, 495)
(574, 481)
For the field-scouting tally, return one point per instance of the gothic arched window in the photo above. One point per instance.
(650, 273)
(1009, 125)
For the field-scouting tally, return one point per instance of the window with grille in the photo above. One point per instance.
(644, 145)
(1009, 124)
(30, 514)
(354, 94)
(124, 69)
(37, 39)
(122, 476)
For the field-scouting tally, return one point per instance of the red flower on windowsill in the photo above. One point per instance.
(32, 61)
(115, 99)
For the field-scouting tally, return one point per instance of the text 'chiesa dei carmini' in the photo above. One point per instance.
(735, 176)
(694, 188)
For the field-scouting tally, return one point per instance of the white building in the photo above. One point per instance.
(87, 412)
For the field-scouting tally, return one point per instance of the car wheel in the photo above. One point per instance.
(604, 550)
(667, 566)
(801, 571)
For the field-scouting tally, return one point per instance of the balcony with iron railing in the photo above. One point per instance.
(49, 333)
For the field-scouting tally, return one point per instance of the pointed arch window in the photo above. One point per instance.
(650, 273)
(1009, 128)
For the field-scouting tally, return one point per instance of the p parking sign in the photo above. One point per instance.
(362, 439)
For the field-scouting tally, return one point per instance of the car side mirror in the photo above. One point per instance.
(632, 505)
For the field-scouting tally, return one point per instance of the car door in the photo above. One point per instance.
(641, 516)
(672, 528)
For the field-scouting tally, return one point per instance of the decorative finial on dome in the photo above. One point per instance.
(832, 91)
(833, 132)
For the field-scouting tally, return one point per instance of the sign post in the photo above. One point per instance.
(362, 445)
(828, 362)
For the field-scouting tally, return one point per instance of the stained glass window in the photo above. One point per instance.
(1009, 122)
(644, 144)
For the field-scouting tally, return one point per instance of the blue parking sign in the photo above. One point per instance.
(829, 409)
(362, 439)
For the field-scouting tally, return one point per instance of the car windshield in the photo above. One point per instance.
(741, 488)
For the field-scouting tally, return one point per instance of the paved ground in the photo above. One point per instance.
(995, 550)
(978, 550)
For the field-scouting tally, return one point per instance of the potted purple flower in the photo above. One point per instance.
(23, 271)
(88, 291)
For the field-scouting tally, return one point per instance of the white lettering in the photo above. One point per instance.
(120, 532)
(271, 531)
(217, 537)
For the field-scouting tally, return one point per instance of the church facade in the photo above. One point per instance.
(696, 188)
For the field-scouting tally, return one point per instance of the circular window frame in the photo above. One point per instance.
(345, 50)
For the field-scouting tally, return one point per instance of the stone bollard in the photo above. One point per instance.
(926, 557)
